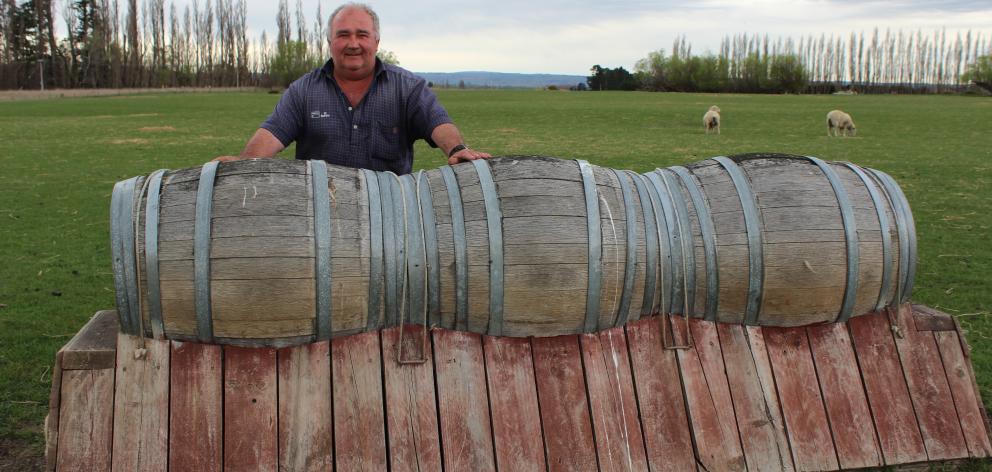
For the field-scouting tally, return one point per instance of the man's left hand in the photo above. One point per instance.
(466, 155)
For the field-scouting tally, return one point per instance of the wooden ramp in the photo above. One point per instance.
(885, 389)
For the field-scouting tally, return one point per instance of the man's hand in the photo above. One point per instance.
(227, 158)
(466, 155)
(262, 144)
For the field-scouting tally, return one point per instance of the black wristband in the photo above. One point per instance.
(456, 149)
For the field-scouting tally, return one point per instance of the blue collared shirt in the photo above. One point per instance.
(377, 134)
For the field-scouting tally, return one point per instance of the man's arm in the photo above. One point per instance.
(262, 144)
(447, 136)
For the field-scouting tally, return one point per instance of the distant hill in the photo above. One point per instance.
(500, 79)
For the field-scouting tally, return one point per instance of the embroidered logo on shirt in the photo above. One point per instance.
(318, 114)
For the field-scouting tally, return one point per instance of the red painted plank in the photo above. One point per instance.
(888, 394)
(619, 443)
(86, 420)
(802, 405)
(411, 413)
(659, 395)
(250, 409)
(966, 400)
(928, 388)
(564, 410)
(513, 396)
(711, 409)
(359, 422)
(141, 404)
(759, 423)
(844, 396)
(766, 378)
(463, 403)
(305, 435)
(195, 408)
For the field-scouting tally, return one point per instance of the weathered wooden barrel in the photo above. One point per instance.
(276, 252)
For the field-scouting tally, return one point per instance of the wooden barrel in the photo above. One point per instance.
(276, 252)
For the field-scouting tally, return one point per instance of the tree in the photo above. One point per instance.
(388, 57)
(787, 74)
(604, 78)
(980, 72)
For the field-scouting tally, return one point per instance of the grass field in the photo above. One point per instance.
(59, 160)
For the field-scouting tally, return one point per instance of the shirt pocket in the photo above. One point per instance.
(386, 141)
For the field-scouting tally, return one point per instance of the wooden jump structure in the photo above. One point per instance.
(886, 389)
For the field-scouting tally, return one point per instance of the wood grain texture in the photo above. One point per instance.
(802, 402)
(758, 425)
(516, 415)
(928, 319)
(359, 420)
(844, 396)
(928, 387)
(250, 409)
(86, 420)
(565, 416)
(95, 345)
(306, 440)
(463, 401)
(411, 413)
(888, 395)
(141, 404)
(710, 406)
(619, 441)
(966, 399)
(766, 379)
(52, 418)
(659, 395)
(196, 407)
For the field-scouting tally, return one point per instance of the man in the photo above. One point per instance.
(357, 111)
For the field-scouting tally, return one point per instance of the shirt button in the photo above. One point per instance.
(354, 126)
(349, 108)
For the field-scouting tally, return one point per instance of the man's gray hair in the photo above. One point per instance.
(362, 6)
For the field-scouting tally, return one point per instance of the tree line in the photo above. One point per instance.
(149, 43)
(875, 62)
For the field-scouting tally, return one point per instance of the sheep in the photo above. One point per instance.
(840, 124)
(711, 120)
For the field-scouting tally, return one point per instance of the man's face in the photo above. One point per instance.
(354, 43)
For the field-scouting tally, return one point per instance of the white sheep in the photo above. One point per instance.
(840, 124)
(711, 120)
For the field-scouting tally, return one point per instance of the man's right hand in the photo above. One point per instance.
(227, 158)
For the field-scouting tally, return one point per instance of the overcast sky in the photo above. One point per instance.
(569, 36)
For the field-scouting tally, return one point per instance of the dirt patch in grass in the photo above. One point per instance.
(156, 129)
(129, 141)
(21, 455)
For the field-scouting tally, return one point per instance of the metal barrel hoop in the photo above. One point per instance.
(672, 278)
(494, 221)
(152, 279)
(371, 185)
(708, 234)
(752, 224)
(623, 311)
(879, 202)
(426, 201)
(201, 251)
(687, 243)
(850, 237)
(594, 234)
(460, 246)
(651, 241)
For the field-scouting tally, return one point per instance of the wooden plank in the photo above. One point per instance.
(141, 404)
(966, 349)
(928, 319)
(95, 345)
(411, 416)
(888, 394)
(250, 411)
(966, 399)
(619, 443)
(802, 404)
(766, 378)
(513, 399)
(844, 396)
(86, 420)
(196, 407)
(659, 396)
(359, 420)
(568, 437)
(764, 448)
(928, 388)
(305, 435)
(52, 419)
(463, 402)
(710, 407)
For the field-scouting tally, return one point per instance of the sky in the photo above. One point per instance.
(568, 37)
